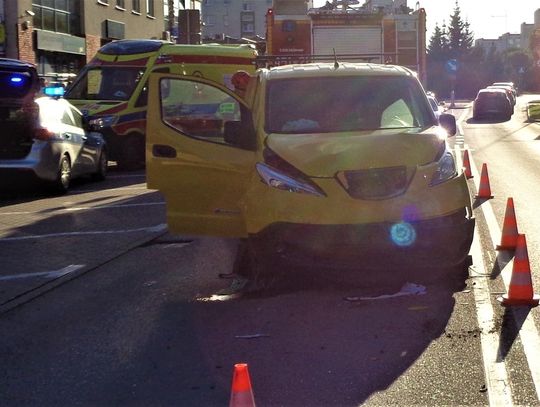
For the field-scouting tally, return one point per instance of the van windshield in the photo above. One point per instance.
(105, 83)
(345, 103)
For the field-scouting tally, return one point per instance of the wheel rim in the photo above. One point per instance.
(65, 173)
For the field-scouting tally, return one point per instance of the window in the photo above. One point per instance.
(121, 4)
(57, 15)
(248, 28)
(77, 117)
(197, 110)
(136, 6)
(104, 2)
(66, 118)
(209, 20)
(150, 8)
(247, 7)
(358, 103)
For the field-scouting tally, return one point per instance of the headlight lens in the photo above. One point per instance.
(104, 121)
(276, 179)
(446, 169)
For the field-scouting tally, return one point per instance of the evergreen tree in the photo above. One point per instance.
(438, 45)
(460, 38)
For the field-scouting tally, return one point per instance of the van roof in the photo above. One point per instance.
(329, 69)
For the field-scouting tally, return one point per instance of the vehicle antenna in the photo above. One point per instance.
(336, 63)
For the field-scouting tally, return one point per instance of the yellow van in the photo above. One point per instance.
(112, 89)
(326, 164)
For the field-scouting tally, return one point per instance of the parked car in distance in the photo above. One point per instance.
(438, 107)
(47, 140)
(492, 103)
(363, 172)
(510, 84)
(509, 92)
(533, 110)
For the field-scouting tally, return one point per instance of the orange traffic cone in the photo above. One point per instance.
(467, 165)
(520, 291)
(241, 393)
(484, 191)
(510, 230)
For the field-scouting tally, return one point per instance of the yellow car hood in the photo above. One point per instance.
(324, 155)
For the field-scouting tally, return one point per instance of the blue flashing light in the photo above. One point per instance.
(16, 80)
(54, 91)
(403, 234)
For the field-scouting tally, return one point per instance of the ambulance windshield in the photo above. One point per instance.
(105, 83)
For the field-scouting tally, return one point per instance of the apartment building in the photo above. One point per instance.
(61, 36)
(234, 18)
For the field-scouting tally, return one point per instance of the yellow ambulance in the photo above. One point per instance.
(112, 90)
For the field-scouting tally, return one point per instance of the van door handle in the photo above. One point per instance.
(160, 150)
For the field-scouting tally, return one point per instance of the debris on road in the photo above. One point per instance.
(407, 289)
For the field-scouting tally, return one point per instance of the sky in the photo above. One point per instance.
(487, 18)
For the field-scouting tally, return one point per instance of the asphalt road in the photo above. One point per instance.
(101, 306)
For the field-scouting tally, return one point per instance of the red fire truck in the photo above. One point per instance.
(295, 34)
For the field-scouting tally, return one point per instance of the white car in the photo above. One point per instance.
(437, 107)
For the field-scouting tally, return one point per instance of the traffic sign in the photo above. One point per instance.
(451, 66)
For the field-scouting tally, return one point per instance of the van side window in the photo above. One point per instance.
(197, 110)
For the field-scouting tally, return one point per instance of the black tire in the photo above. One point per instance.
(63, 177)
(252, 264)
(132, 153)
(101, 171)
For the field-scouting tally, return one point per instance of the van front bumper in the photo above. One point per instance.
(441, 241)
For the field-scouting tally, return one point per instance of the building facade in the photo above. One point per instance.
(234, 18)
(61, 36)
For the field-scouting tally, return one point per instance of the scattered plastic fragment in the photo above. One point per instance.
(407, 289)
(254, 336)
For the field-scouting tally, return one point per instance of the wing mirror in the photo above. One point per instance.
(448, 122)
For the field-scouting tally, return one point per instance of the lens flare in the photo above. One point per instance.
(403, 234)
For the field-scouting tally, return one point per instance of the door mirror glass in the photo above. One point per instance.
(448, 122)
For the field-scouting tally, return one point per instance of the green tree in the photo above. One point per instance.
(438, 45)
(460, 37)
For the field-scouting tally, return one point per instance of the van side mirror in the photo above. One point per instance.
(238, 134)
(448, 122)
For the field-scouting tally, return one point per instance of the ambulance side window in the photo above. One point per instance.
(198, 110)
(142, 100)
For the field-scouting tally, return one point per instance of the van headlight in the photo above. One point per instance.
(276, 179)
(446, 169)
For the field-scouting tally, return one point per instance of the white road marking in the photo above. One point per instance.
(85, 208)
(44, 274)
(499, 391)
(152, 229)
(496, 376)
(528, 331)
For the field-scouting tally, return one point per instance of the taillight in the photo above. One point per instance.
(43, 134)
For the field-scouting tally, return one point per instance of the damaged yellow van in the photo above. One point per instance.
(325, 164)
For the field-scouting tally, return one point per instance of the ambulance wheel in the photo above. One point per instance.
(132, 153)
